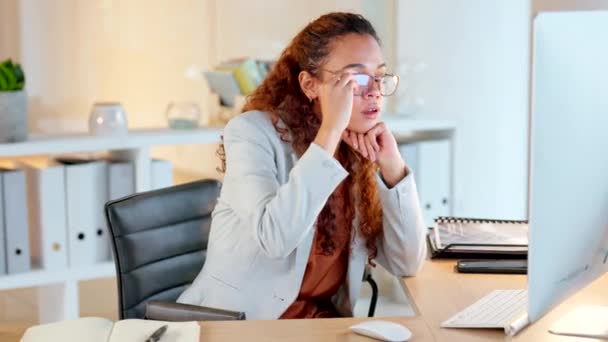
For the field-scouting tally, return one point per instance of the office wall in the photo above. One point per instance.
(263, 28)
(77, 52)
(9, 40)
(271, 24)
(477, 55)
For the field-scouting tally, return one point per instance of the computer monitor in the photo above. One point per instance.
(568, 217)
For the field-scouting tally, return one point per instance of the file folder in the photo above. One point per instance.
(16, 228)
(86, 183)
(48, 221)
(121, 179)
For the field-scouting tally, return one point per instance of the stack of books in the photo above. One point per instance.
(237, 77)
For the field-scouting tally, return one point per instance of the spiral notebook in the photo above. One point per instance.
(460, 237)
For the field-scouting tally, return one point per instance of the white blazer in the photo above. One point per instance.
(263, 225)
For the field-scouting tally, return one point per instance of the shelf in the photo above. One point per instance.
(405, 125)
(83, 142)
(408, 130)
(39, 277)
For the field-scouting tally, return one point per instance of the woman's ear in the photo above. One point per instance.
(308, 84)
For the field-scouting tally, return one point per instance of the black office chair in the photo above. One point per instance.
(159, 240)
(367, 276)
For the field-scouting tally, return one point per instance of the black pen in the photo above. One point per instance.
(157, 334)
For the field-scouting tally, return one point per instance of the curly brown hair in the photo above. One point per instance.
(282, 98)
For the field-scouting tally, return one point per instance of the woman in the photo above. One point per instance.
(314, 184)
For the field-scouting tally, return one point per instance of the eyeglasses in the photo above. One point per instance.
(387, 83)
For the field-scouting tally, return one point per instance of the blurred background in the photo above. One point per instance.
(467, 61)
(463, 61)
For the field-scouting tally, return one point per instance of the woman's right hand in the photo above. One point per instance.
(336, 100)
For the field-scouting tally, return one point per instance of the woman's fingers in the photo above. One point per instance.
(370, 150)
(373, 141)
(377, 130)
(362, 145)
(351, 139)
(354, 141)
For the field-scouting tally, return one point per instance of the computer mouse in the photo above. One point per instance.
(382, 330)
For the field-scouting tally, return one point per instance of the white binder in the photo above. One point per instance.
(16, 226)
(162, 174)
(48, 222)
(86, 184)
(121, 179)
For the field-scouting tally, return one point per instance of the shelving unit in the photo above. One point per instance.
(58, 289)
(40, 277)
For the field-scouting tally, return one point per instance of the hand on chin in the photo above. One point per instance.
(361, 126)
(375, 143)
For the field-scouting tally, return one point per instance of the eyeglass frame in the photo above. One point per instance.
(371, 77)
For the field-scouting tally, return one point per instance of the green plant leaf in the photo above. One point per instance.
(19, 75)
(7, 72)
(3, 83)
(7, 63)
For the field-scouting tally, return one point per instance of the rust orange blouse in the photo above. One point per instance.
(323, 277)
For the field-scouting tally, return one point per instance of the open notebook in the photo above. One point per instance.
(95, 329)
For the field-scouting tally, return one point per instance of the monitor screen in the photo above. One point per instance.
(568, 157)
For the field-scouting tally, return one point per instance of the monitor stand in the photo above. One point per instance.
(584, 321)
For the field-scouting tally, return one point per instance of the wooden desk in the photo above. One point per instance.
(317, 330)
(438, 292)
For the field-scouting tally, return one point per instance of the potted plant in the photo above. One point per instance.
(13, 103)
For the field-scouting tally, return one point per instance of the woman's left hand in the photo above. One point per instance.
(379, 145)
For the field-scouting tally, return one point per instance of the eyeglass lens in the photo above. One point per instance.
(387, 84)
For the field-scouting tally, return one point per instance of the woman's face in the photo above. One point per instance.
(359, 54)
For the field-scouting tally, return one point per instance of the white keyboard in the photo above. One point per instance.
(498, 309)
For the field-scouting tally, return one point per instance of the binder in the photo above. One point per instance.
(16, 228)
(121, 179)
(162, 174)
(86, 184)
(48, 222)
(478, 238)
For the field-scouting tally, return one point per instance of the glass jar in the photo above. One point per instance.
(183, 115)
(108, 118)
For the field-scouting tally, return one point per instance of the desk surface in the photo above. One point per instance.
(437, 293)
(317, 330)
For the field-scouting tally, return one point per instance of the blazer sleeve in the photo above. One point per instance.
(279, 215)
(402, 247)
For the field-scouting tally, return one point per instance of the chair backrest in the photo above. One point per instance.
(159, 240)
